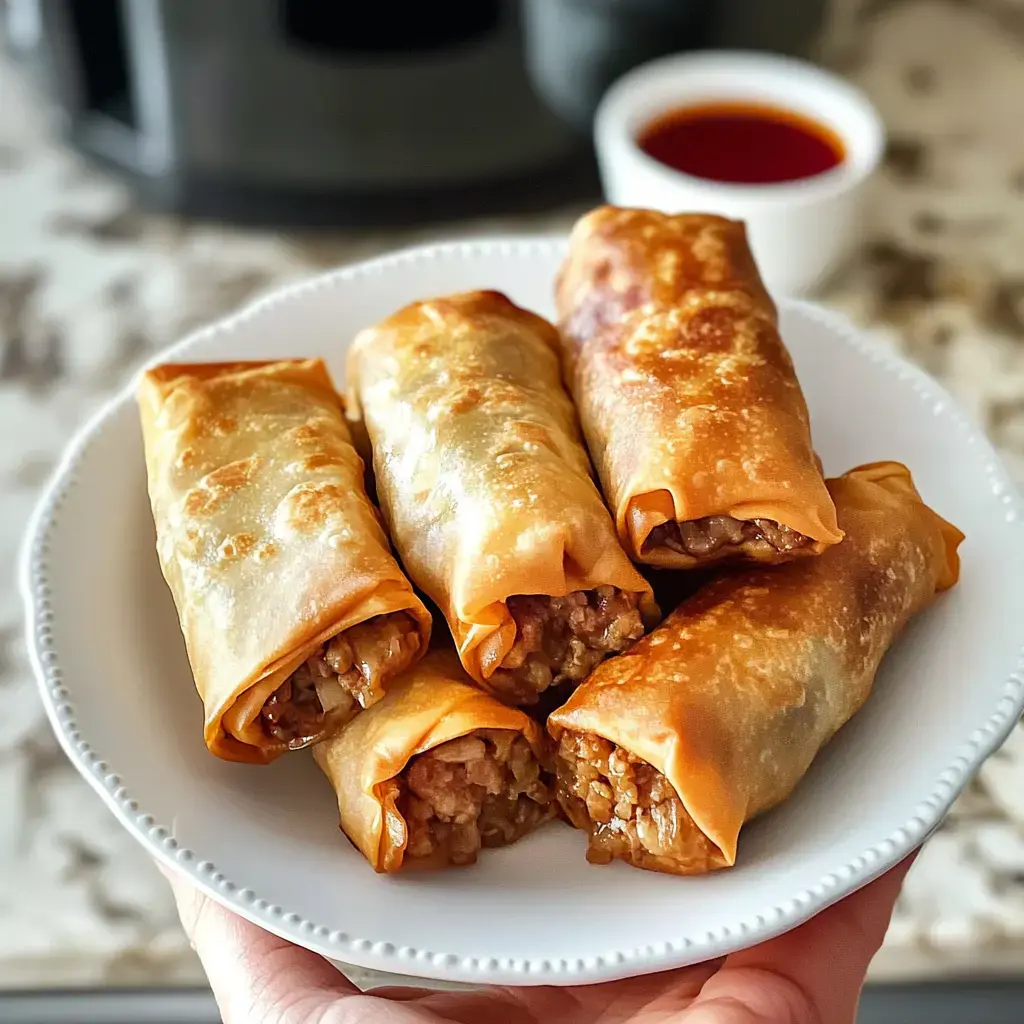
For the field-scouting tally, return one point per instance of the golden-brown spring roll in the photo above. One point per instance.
(665, 751)
(483, 478)
(437, 770)
(294, 611)
(686, 393)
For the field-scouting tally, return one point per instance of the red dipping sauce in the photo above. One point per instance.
(742, 143)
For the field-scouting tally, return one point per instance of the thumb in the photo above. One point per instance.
(255, 976)
(811, 975)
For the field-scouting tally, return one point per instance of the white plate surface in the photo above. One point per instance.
(264, 841)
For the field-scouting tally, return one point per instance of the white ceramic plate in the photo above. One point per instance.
(264, 841)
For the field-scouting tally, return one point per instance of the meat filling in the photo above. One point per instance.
(723, 536)
(481, 790)
(562, 639)
(346, 674)
(629, 808)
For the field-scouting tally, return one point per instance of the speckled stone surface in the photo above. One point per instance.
(89, 286)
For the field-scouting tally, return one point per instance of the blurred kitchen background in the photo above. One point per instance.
(163, 161)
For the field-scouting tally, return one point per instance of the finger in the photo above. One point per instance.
(654, 997)
(811, 975)
(255, 976)
(651, 997)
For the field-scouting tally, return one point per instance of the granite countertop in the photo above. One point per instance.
(90, 286)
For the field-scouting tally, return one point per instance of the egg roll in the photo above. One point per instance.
(665, 751)
(294, 610)
(436, 771)
(486, 486)
(687, 396)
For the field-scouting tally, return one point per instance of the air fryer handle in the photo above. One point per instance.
(575, 49)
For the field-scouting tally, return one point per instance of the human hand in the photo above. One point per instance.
(811, 975)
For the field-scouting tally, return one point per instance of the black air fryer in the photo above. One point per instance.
(315, 110)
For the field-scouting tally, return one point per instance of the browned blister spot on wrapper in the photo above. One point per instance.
(219, 486)
(237, 546)
(308, 506)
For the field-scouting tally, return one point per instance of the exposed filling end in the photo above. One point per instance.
(723, 536)
(346, 674)
(484, 789)
(629, 808)
(562, 639)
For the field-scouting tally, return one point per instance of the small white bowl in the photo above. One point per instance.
(800, 231)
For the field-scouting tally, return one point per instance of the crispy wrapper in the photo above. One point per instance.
(265, 534)
(687, 395)
(734, 694)
(480, 467)
(430, 704)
